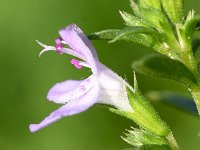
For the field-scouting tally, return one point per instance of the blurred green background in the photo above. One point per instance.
(25, 78)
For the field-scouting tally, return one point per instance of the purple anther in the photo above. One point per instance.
(76, 63)
(58, 46)
(58, 41)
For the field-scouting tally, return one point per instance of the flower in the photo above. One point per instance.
(103, 86)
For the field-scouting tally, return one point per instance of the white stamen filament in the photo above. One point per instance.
(82, 63)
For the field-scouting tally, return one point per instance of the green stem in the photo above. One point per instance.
(185, 51)
(172, 142)
(189, 61)
(195, 89)
(196, 96)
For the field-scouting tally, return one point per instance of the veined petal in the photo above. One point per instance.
(108, 79)
(112, 89)
(73, 107)
(69, 90)
(118, 99)
(76, 39)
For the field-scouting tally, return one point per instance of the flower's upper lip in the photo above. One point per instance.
(77, 41)
(79, 46)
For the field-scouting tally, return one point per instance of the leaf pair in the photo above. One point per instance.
(141, 35)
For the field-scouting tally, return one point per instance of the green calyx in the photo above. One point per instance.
(143, 113)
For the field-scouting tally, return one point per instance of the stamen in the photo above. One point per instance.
(58, 46)
(76, 63)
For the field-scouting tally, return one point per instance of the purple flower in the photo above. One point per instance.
(103, 86)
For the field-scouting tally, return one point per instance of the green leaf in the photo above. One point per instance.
(154, 17)
(126, 32)
(139, 137)
(190, 26)
(131, 20)
(150, 4)
(158, 65)
(135, 8)
(174, 9)
(110, 34)
(149, 11)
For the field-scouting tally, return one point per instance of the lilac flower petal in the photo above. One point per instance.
(69, 90)
(73, 107)
(113, 89)
(76, 39)
(83, 38)
(60, 91)
(86, 41)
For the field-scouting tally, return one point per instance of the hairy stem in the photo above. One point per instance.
(172, 142)
(196, 96)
